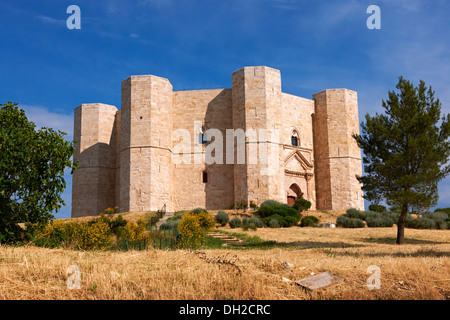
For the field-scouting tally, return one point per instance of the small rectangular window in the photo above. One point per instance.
(205, 177)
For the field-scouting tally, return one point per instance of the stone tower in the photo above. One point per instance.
(256, 99)
(94, 180)
(337, 156)
(145, 146)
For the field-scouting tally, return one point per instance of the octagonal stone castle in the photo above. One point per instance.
(125, 157)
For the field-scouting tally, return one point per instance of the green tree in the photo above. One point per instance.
(405, 150)
(32, 165)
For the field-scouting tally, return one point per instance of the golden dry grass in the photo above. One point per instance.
(129, 216)
(420, 269)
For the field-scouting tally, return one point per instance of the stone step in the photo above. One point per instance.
(229, 240)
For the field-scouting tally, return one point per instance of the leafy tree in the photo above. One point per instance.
(32, 164)
(405, 150)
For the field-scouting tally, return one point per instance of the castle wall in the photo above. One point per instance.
(94, 179)
(211, 108)
(297, 115)
(116, 133)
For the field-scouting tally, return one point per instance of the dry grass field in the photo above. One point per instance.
(420, 269)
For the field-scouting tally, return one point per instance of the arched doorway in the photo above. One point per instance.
(294, 192)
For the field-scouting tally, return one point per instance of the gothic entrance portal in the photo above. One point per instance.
(293, 194)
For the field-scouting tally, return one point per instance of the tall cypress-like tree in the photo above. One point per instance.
(405, 150)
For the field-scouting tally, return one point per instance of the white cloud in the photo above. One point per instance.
(43, 117)
(51, 20)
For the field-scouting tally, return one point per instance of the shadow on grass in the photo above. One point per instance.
(255, 242)
(301, 245)
(392, 240)
(418, 254)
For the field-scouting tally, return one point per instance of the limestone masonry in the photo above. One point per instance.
(125, 156)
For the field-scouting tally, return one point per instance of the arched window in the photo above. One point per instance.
(202, 138)
(295, 139)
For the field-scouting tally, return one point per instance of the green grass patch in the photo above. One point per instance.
(253, 242)
(212, 243)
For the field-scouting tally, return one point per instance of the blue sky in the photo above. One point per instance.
(50, 69)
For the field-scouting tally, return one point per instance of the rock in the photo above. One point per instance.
(287, 265)
(319, 281)
(329, 225)
(286, 279)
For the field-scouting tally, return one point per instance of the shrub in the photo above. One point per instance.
(290, 221)
(284, 222)
(239, 205)
(395, 215)
(177, 216)
(369, 215)
(380, 221)
(355, 214)
(257, 222)
(253, 205)
(172, 224)
(301, 205)
(274, 223)
(270, 203)
(165, 226)
(94, 234)
(446, 210)
(134, 231)
(222, 218)
(192, 232)
(377, 208)
(53, 234)
(437, 215)
(309, 221)
(346, 222)
(116, 224)
(235, 223)
(111, 211)
(199, 210)
(282, 210)
(246, 224)
(206, 221)
(277, 217)
(442, 225)
(421, 223)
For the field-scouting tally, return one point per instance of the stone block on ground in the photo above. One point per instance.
(318, 281)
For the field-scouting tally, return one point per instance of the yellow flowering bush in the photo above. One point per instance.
(85, 235)
(193, 227)
(134, 231)
(110, 210)
(92, 235)
(207, 222)
(52, 234)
